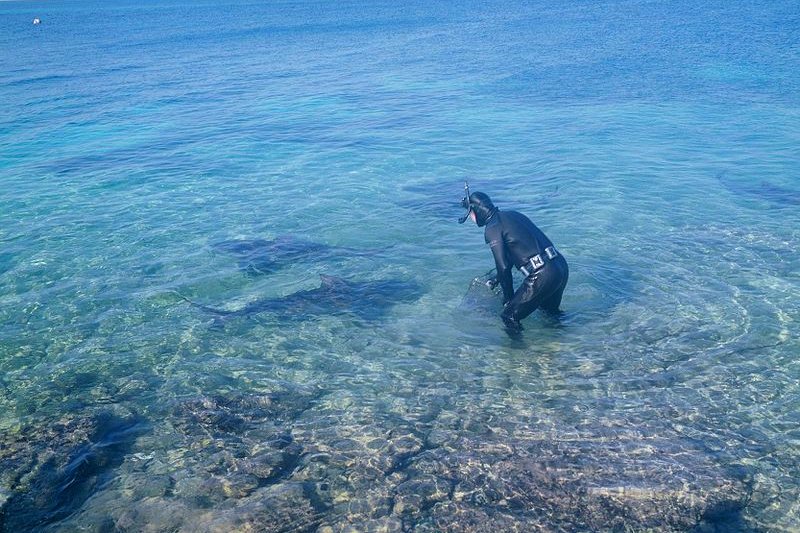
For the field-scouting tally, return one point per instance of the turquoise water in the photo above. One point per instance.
(655, 142)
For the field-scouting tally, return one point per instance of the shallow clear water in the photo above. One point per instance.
(656, 143)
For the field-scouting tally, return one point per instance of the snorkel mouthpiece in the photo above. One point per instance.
(465, 204)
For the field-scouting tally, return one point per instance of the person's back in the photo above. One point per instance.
(522, 237)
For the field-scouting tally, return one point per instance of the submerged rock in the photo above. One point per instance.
(290, 460)
(580, 485)
(49, 471)
(273, 509)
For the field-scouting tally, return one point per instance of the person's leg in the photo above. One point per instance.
(543, 289)
(520, 305)
(552, 303)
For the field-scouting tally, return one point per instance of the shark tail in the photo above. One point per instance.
(206, 308)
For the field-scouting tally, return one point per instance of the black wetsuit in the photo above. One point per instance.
(514, 240)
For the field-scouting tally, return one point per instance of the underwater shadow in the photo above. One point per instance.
(368, 300)
(80, 457)
(774, 195)
(265, 256)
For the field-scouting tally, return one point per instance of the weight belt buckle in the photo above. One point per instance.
(536, 262)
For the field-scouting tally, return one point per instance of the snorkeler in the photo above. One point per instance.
(516, 241)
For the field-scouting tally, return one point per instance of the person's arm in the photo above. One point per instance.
(494, 239)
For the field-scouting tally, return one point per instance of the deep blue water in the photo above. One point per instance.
(233, 153)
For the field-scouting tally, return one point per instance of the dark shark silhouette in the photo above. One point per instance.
(265, 256)
(775, 195)
(367, 300)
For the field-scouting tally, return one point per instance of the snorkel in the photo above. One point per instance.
(465, 204)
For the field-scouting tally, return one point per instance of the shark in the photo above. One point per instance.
(367, 300)
(775, 195)
(265, 256)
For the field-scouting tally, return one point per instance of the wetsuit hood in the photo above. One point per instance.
(482, 206)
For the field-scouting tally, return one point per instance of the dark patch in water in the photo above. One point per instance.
(775, 195)
(6, 262)
(59, 468)
(164, 156)
(265, 256)
(368, 300)
(44, 80)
